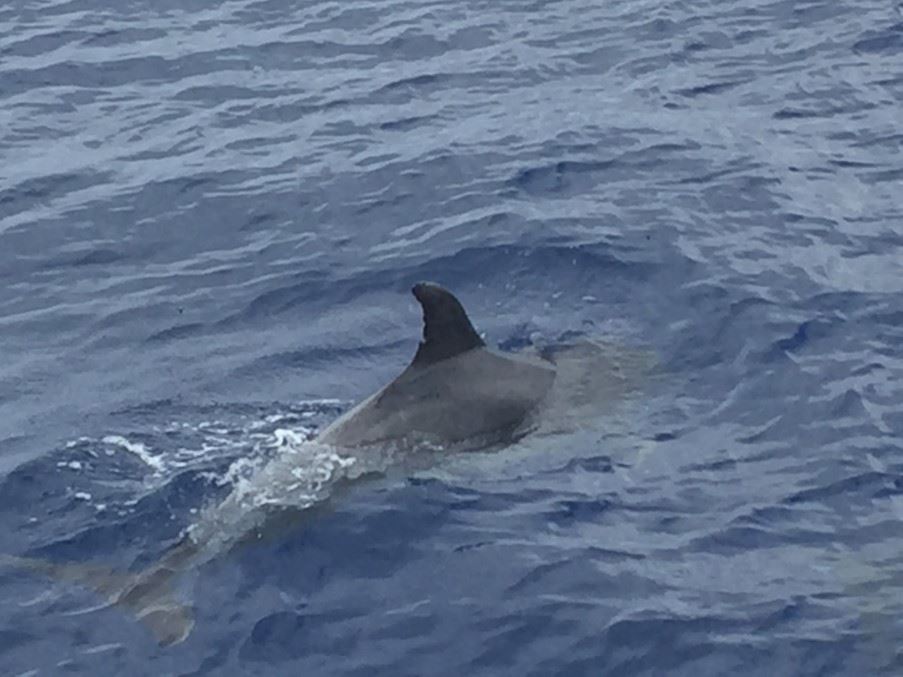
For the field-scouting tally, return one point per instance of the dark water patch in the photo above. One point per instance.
(556, 177)
(890, 175)
(414, 82)
(212, 664)
(528, 628)
(635, 645)
(412, 45)
(805, 332)
(825, 112)
(50, 41)
(888, 41)
(597, 60)
(891, 140)
(718, 466)
(766, 517)
(99, 257)
(745, 537)
(582, 511)
(407, 124)
(47, 187)
(854, 164)
(596, 464)
(10, 639)
(864, 485)
(217, 94)
(736, 167)
(570, 177)
(112, 37)
(710, 88)
(276, 638)
(179, 331)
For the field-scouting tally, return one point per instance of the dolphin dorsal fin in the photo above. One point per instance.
(447, 331)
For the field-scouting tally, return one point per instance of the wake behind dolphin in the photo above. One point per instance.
(456, 394)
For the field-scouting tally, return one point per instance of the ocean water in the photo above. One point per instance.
(210, 218)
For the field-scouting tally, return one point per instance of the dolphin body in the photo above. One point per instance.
(456, 394)
(455, 391)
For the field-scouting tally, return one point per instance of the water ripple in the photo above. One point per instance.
(205, 207)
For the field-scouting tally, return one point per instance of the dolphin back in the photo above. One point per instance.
(477, 394)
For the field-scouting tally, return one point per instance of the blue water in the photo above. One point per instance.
(210, 217)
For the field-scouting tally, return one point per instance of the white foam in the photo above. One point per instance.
(289, 439)
(101, 648)
(300, 475)
(272, 462)
(138, 449)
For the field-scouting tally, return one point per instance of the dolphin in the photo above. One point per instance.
(456, 394)
(455, 391)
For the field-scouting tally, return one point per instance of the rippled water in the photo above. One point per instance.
(210, 216)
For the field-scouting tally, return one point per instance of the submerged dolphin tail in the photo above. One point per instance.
(149, 595)
(447, 330)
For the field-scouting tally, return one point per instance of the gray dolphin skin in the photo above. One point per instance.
(455, 390)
